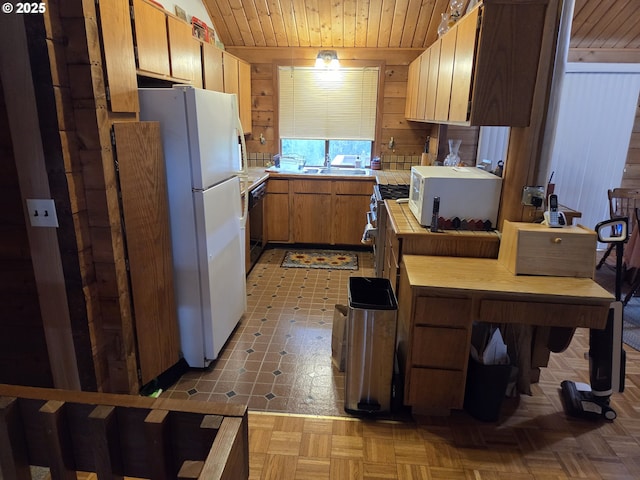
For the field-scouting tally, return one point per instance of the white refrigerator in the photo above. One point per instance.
(200, 131)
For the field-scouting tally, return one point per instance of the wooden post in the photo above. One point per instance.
(104, 435)
(156, 431)
(58, 441)
(14, 464)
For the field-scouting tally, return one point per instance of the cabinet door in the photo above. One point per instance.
(312, 213)
(423, 85)
(244, 95)
(463, 68)
(432, 80)
(146, 216)
(212, 75)
(230, 71)
(151, 38)
(117, 41)
(412, 89)
(184, 52)
(445, 74)
(349, 218)
(277, 217)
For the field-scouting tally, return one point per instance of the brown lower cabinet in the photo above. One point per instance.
(317, 211)
(277, 210)
(433, 348)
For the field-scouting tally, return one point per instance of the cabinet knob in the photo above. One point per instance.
(557, 240)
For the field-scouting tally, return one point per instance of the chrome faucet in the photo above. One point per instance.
(327, 161)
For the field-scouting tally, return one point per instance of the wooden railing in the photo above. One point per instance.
(118, 436)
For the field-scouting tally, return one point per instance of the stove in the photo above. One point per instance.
(392, 192)
(374, 232)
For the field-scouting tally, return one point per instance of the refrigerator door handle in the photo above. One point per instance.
(243, 174)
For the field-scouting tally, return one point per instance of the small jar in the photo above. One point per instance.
(375, 163)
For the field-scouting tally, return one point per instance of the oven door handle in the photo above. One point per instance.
(369, 231)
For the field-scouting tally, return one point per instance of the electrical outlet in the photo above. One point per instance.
(529, 193)
(42, 212)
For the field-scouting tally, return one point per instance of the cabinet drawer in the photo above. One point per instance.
(440, 347)
(277, 186)
(447, 312)
(311, 186)
(552, 314)
(430, 388)
(342, 187)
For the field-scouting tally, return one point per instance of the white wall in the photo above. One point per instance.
(590, 142)
(193, 8)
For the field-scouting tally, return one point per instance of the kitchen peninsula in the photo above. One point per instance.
(440, 297)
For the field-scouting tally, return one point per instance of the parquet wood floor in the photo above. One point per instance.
(534, 439)
(291, 436)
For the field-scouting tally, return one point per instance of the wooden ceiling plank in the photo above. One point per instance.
(432, 33)
(240, 14)
(225, 23)
(610, 23)
(264, 16)
(628, 35)
(337, 32)
(386, 20)
(584, 21)
(422, 23)
(324, 12)
(255, 26)
(313, 21)
(288, 16)
(373, 22)
(410, 23)
(362, 23)
(302, 26)
(349, 23)
(277, 22)
(399, 22)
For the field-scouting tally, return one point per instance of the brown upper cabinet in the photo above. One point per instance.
(184, 52)
(483, 70)
(237, 79)
(152, 41)
(166, 48)
(212, 74)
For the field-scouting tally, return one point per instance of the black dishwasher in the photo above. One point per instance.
(256, 223)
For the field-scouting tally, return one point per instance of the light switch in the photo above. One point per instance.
(42, 212)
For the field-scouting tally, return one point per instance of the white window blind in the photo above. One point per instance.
(328, 104)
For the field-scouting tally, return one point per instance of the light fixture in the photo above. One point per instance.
(327, 59)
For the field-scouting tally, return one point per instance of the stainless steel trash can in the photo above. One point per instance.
(371, 338)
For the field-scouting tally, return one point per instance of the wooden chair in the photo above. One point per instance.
(622, 203)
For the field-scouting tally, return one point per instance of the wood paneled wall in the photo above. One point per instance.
(73, 35)
(409, 137)
(23, 347)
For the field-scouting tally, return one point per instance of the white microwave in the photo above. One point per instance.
(468, 193)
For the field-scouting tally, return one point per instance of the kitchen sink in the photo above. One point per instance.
(343, 171)
(337, 171)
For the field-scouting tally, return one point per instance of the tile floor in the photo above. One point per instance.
(279, 357)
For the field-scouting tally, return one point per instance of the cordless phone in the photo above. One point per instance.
(553, 216)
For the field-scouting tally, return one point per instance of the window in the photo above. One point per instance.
(327, 112)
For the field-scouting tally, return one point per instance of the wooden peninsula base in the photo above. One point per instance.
(440, 297)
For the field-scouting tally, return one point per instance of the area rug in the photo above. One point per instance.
(329, 259)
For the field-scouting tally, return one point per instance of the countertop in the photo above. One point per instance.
(489, 275)
(257, 175)
(404, 224)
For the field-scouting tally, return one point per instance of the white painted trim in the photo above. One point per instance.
(585, 67)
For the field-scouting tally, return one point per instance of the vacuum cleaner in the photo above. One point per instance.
(606, 356)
